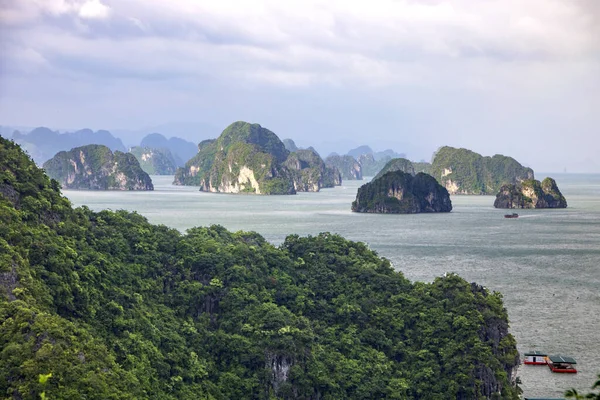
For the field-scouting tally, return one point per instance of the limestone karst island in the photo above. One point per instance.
(247, 158)
(96, 167)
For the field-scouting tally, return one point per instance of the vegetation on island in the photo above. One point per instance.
(463, 171)
(181, 150)
(396, 164)
(347, 165)
(531, 194)
(155, 161)
(96, 167)
(43, 143)
(248, 158)
(398, 192)
(104, 305)
(310, 173)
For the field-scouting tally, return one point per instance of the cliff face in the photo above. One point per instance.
(397, 192)
(96, 167)
(248, 158)
(310, 173)
(347, 165)
(155, 161)
(531, 194)
(462, 171)
(397, 164)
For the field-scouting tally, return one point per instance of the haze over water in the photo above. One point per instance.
(546, 263)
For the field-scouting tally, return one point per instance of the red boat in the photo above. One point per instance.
(562, 364)
(535, 358)
(513, 215)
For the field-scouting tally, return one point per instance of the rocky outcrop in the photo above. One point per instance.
(155, 161)
(463, 171)
(398, 192)
(310, 173)
(397, 164)
(96, 167)
(248, 158)
(290, 145)
(530, 194)
(347, 165)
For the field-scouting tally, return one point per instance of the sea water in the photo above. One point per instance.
(546, 263)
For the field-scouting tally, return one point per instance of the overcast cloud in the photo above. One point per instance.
(515, 77)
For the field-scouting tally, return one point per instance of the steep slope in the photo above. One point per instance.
(347, 165)
(396, 164)
(95, 167)
(247, 158)
(181, 149)
(398, 192)
(463, 171)
(531, 194)
(107, 306)
(310, 173)
(155, 161)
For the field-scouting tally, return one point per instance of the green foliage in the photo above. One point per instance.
(398, 192)
(116, 308)
(347, 165)
(396, 164)
(155, 161)
(475, 174)
(96, 167)
(574, 394)
(530, 193)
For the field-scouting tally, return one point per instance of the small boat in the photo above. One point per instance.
(535, 358)
(562, 364)
(513, 215)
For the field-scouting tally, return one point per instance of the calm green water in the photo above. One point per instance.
(546, 263)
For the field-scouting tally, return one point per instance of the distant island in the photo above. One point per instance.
(247, 158)
(398, 192)
(531, 194)
(43, 143)
(155, 161)
(348, 166)
(96, 167)
(181, 149)
(463, 171)
(396, 164)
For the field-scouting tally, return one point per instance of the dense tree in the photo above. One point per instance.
(104, 305)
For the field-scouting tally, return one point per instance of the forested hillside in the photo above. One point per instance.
(107, 306)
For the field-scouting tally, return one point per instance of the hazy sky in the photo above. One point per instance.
(517, 77)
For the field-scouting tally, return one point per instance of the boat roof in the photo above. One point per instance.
(535, 353)
(562, 359)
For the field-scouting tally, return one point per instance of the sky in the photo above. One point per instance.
(513, 77)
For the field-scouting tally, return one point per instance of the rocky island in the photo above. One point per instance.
(463, 171)
(347, 165)
(398, 192)
(531, 194)
(396, 164)
(155, 161)
(247, 158)
(96, 167)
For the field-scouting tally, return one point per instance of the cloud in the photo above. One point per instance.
(93, 9)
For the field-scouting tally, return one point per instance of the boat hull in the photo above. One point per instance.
(535, 362)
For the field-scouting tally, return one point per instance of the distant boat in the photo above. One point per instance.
(513, 215)
(562, 364)
(535, 358)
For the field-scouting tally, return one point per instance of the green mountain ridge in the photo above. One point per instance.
(104, 305)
